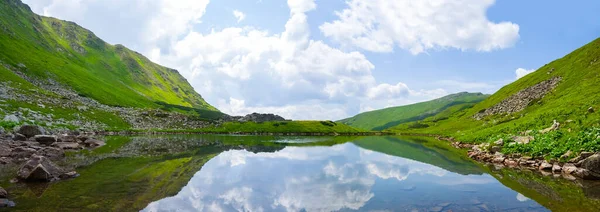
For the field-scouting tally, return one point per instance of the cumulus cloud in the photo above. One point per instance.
(417, 26)
(240, 16)
(248, 69)
(521, 72)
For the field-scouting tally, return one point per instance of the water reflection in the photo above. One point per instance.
(342, 177)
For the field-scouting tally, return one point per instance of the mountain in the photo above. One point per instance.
(54, 72)
(566, 90)
(47, 48)
(437, 109)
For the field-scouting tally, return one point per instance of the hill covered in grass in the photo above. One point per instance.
(58, 74)
(566, 90)
(434, 110)
(43, 48)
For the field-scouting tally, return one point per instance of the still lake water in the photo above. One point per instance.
(247, 173)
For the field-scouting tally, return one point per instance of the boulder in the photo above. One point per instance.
(19, 137)
(592, 164)
(556, 168)
(545, 166)
(93, 143)
(11, 118)
(30, 130)
(67, 145)
(567, 155)
(523, 139)
(585, 155)
(51, 153)
(585, 174)
(3, 193)
(5, 203)
(39, 168)
(499, 142)
(569, 168)
(4, 150)
(67, 138)
(554, 126)
(45, 139)
(22, 153)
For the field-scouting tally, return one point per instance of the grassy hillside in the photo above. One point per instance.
(44, 48)
(437, 109)
(568, 103)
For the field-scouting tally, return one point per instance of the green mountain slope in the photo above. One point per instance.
(436, 109)
(47, 48)
(573, 102)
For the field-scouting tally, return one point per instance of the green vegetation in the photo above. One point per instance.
(281, 127)
(433, 110)
(47, 48)
(569, 104)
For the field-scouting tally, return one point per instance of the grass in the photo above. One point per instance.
(282, 127)
(436, 109)
(43, 47)
(568, 104)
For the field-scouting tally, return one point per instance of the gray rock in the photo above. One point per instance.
(555, 126)
(51, 153)
(592, 164)
(556, 168)
(545, 166)
(93, 142)
(585, 155)
(5, 203)
(22, 153)
(499, 142)
(19, 137)
(569, 168)
(2, 131)
(30, 130)
(67, 138)
(5, 150)
(11, 118)
(3, 193)
(523, 139)
(39, 168)
(585, 174)
(67, 145)
(46, 139)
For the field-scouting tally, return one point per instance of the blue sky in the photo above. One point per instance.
(304, 60)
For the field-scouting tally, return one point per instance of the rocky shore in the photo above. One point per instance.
(35, 152)
(585, 165)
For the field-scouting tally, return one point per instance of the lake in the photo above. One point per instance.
(252, 173)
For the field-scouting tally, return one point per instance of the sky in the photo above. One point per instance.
(331, 59)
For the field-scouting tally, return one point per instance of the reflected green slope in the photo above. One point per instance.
(425, 150)
(556, 194)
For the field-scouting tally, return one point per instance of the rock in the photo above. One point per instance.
(67, 145)
(51, 153)
(67, 138)
(19, 137)
(3, 193)
(569, 168)
(556, 168)
(585, 174)
(511, 163)
(590, 110)
(30, 130)
(592, 163)
(39, 168)
(555, 126)
(2, 131)
(567, 155)
(575, 159)
(5, 150)
(545, 166)
(499, 159)
(585, 155)
(82, 138)
(93, 143)
(45, 139)
(255, 117)
(22, 153)
(72, 174)
(5, 203)
(499, 142)
(523, 139)
(495, 149)
(11, 118)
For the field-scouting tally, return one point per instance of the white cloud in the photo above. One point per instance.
(521, 72)
(417, 26)
(244, 69)
(240, 16)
